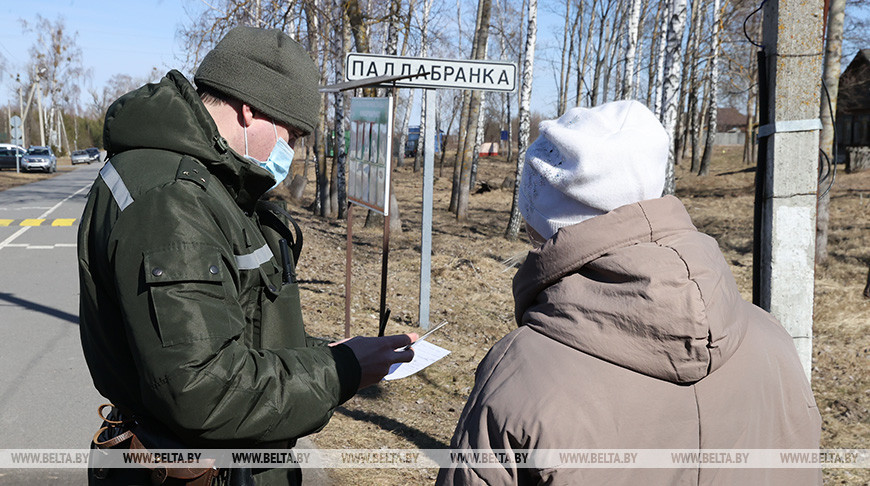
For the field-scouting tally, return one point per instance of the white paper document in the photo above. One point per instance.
(425, 353)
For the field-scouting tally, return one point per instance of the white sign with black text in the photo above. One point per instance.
(435, 73)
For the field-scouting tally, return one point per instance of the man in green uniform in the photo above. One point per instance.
(190, 316)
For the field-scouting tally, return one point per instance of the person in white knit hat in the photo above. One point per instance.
(632, 334)
(591, 161)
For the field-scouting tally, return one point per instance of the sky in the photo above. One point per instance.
(134, 36)
(115, 36)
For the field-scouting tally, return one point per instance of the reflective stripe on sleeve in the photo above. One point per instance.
(116, 186)
(255, 259)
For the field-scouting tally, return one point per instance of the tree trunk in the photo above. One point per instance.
(481, 38)
(712, 108)
(670, 88)
(611, 55)
(424, 52)
(695, 108)
(600, 55)
(478, 141)
(322, 190)
(464, 114)
(506, 97)
(563, 74)
(341, 40)
(833, 52)
(421, 139)
(392, 46)
(360, 34)
(666, 8)
(447, 134)
(461, 136)
(701, 122)
(403, 133)
(513, 228)
(584, 60)
(644, 10)
(628, 87)
(690, 59)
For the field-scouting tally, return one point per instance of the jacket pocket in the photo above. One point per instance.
(188, 298)
(281, 323)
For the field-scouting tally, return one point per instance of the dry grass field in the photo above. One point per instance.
(471, 287)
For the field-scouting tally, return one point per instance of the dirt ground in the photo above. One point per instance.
(471, 288)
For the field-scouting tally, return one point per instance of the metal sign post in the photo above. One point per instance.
(428, 189)
(368, 181)
(17, 138)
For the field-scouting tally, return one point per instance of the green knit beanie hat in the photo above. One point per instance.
(267, 70)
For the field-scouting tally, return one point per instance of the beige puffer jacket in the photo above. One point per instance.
(633, 335)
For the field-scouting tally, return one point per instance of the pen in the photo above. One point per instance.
(424, 336)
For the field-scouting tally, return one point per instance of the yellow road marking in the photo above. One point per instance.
(6, 222)
(31, 222)
(63, 222)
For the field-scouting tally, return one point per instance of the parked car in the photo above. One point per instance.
(93, 153)
(8, 155)
(80, 157)
(39, 158)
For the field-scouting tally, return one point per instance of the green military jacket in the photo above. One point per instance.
(185, 317)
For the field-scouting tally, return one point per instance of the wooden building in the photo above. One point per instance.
(853, 114)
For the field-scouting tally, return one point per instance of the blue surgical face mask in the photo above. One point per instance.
(278, 163)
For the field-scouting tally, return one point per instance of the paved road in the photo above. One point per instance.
(47, 399)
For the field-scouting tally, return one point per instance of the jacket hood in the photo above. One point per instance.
(169, 115)
(639, 287)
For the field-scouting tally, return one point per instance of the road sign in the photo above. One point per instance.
(15, 121)
(17, 136)
(439, 73)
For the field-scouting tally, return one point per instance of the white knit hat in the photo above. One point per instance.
(591, 161)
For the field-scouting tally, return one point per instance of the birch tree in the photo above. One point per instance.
(584, 59)
(831, 75)
(564, 67)
(690, 60)
(340, 39)
(479, 52)
(428, 95)
(695, 105)
(628, 86)
(462, 134)
(56, 59)
(670, 87)
(322, 202)
(611, 57)
(666, 7)
(712, 108)
(403, 132)
(513, 228)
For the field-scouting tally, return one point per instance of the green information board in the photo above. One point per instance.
(368, 158)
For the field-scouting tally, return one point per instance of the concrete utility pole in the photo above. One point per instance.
(788, 164)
